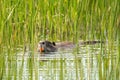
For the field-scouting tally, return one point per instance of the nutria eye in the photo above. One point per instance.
(43, 43)
(54, 43)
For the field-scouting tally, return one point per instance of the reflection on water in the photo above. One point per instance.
(84, 64)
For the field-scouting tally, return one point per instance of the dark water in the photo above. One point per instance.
(84, 63)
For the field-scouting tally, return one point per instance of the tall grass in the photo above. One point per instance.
(24, 22)
(36, 20)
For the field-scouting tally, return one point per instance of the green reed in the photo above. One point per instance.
(26, 22)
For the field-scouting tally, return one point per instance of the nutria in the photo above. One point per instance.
(47, 46)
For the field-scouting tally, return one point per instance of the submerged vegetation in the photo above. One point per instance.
(24, 22)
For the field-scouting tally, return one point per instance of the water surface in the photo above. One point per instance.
(89, 62)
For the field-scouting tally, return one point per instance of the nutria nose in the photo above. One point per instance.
(41, 49)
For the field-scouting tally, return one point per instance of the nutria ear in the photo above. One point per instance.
(54, 43)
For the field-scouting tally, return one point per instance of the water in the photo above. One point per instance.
(89, 63)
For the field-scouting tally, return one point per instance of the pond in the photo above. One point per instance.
(90, 62)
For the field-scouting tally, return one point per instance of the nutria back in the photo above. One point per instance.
(90, 42)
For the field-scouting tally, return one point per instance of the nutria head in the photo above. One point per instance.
(47, 46)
